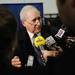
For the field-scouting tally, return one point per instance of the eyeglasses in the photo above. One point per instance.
(38, 18)
(33, 21)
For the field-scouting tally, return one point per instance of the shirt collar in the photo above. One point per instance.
(30, 34)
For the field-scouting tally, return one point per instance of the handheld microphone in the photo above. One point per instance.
(60, 32)
(39, 42)
(51, 44)
(50, 41)
(69, 40)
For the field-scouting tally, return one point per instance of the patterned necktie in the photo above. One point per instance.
(39, 55)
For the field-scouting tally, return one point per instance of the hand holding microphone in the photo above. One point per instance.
(52, 44)
(39, 42)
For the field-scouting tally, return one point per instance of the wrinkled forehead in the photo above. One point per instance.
(32, 14)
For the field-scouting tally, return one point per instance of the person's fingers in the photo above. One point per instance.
(16, 62)
(55, 53)
(17, 65)
(16, 57)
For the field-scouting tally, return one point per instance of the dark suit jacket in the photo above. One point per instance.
(27, 49)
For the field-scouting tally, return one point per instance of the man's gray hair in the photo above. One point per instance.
(26, 9)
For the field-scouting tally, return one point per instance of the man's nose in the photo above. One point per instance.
(38, 22)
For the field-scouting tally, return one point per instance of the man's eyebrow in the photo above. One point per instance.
(36, 18)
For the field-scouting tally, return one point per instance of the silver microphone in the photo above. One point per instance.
(51, 44)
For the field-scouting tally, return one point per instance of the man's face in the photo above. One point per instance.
(33, 22)
(67, 14)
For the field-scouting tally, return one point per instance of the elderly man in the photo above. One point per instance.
(31, 20)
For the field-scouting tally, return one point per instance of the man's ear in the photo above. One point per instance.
(25, 23)
(72, 3)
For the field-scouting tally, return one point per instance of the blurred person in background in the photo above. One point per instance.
(66, 10)
(8, 40)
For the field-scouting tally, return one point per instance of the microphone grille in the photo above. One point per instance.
(50, 41)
